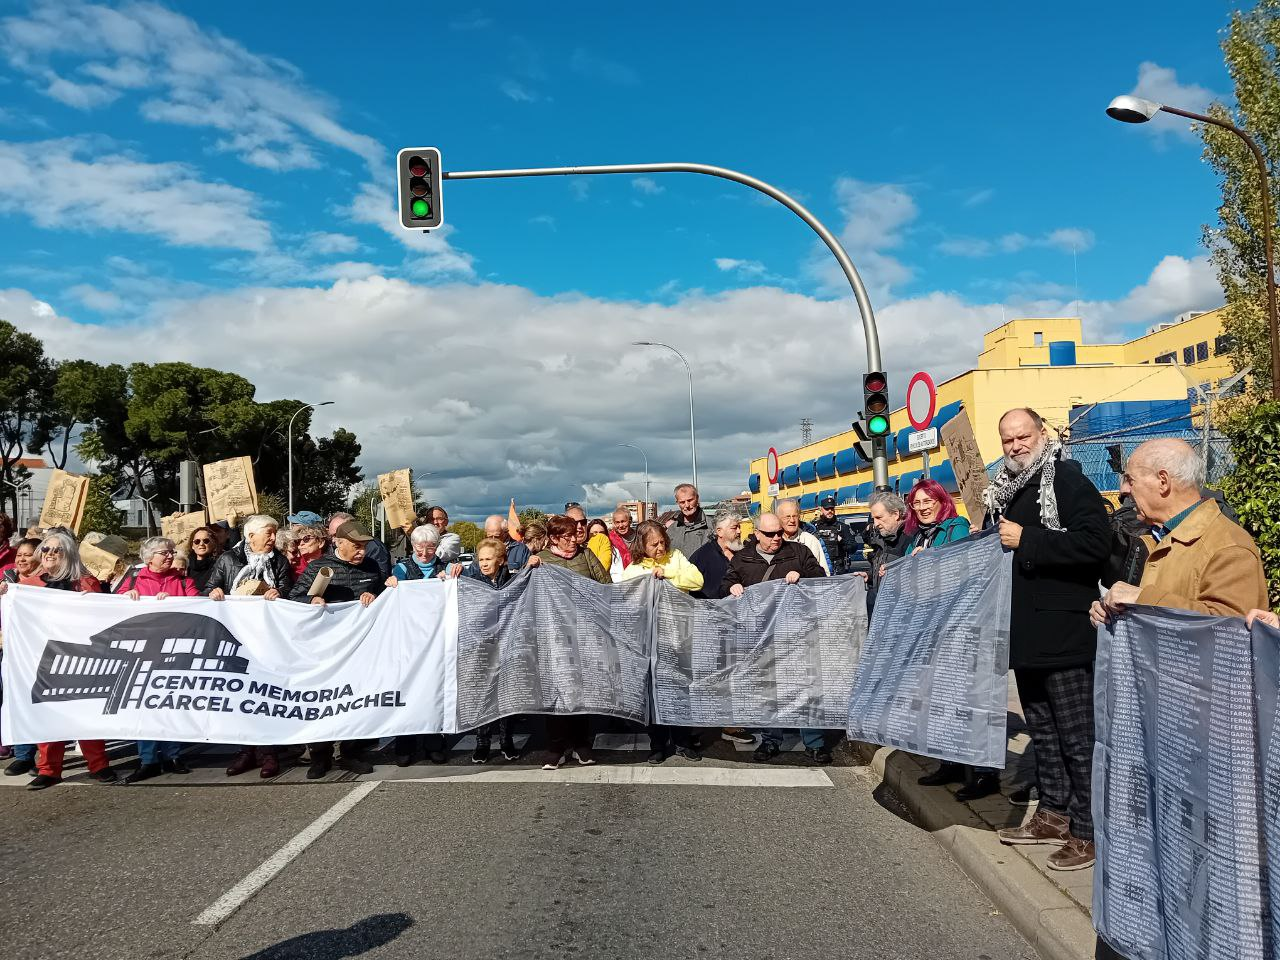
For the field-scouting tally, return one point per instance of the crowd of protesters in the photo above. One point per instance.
(1048, 514)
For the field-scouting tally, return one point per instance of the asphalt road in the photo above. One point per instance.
(717, 859)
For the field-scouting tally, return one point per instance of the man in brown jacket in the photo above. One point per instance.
(1198, 560)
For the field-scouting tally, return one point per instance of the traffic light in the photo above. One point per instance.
(875, 403)
(419, 176)
(865, 444)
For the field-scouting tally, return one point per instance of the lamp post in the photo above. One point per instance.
(646, 472)
(1130, 109)
(289, 442)
(693, 443)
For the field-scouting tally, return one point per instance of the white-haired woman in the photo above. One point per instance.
(157, 577)
(422, 564)
(255, 558)
(61, 569)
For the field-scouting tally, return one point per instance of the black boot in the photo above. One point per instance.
(947, 772)
(144, 772)
(979, 785)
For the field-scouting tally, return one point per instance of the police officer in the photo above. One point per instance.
(835, 535)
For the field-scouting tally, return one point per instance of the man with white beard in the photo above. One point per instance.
(1055, 522)
(712, 558)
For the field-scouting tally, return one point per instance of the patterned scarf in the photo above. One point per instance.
(257, 567)
(1007, 483)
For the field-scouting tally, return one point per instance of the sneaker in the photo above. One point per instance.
(145, 772)
(584, 756)
(355, 765)
(105, 775)
(19, 767)
(656, 756)
(766, 751)
(946, 773)
(553, 761)
(318, 769)
(819, 755)
(737, 735)
(1043, 827)
(1076, 854)
(982, 785)
(481, 752)
(176, 766)
(509, 751)
(1025, 796)
(42, 782)
(689, 753)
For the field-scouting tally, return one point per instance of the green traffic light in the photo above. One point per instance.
(878, 425)
(421, 209)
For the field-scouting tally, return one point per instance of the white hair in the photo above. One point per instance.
(727, 517)
(153, 545)
(1175, 457)
(792, 501)
(891, 502)
(69, 567)
(257, 523)
(427, 533)
(502, 521)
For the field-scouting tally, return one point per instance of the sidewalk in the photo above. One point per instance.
(1048, 907)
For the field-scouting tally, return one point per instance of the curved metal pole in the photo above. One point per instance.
(693, 443)
(646, 471)
(1272, 311)
(880, 465)
(289, 443)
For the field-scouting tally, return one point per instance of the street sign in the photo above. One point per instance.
(923, 440)
(773, 489)
(771, 467)
(922, 401)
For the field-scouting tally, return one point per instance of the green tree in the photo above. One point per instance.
(531, 515)
(1253, 486)
(100, 514)
(468, 533)
(1251, 47)
(84, 394)
(26, 397)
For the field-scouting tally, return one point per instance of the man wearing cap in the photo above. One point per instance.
(355, 576)
(375, 549)
(835, 536)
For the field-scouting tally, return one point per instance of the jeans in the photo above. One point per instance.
(813, 739)
(151, 752)
(24, 751)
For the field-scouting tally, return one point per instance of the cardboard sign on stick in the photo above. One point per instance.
(64, 501)
(230, 488)
(966, 460)
(396, 490)
(178, 526)
(104, 556)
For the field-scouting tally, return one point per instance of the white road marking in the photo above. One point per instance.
(642, 775)
(233, 899)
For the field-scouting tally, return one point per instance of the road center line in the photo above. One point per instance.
(703, 775)
(233, 899)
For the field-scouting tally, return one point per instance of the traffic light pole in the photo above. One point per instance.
(880, 463)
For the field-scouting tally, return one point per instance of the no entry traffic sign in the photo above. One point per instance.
(922, 400)
(771, 466)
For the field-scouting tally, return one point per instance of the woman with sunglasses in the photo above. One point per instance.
(310, 541)
(61, 569)
(157, 578)
(202, 554)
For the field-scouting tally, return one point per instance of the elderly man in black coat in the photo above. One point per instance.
(1055, 522)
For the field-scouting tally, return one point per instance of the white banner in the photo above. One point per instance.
(241, 670)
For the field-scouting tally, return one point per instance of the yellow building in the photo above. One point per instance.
(1039, 363)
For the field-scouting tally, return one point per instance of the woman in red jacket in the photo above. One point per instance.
(61, 569)
(157, 578)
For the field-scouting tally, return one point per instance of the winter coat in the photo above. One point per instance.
(939, 535)
(583, 562)
(148, 583)
(199, 571)
(1056, 573)
(234, 560)
(1206, 564)
(501, 577)
(688, 535)
(838, 540)
(349, 580)
(622, 545)
(517, 555)
(884, 550)
(810, 541)
(713, 565)
(86, 584)
(602, 547)
(411, 568)
(748, 568)
(677, 570)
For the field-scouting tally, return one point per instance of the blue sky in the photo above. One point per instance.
(163, 163)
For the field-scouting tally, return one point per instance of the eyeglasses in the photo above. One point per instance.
(923, 502)
(769, 533)
(308, 538)
(202, 543)
(581, 523)
(165, 553)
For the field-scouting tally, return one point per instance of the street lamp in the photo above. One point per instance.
(693, 443)
(1130, 109)
(646, 473)
(289, 441)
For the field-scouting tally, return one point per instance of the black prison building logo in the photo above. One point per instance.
(117, 663)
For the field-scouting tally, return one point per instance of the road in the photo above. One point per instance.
(722, 858)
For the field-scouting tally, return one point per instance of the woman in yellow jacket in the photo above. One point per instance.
(658, 560)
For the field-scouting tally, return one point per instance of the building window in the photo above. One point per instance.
(1202, 351)
(1165, 358)
(1038, 338)
(1223, 344)
(1188, 356)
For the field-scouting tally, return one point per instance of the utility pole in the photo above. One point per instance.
(806, 432)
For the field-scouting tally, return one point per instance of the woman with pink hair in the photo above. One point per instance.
(932, 520)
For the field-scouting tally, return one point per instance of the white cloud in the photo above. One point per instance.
(876, 217)
(265, 111)
(1065, 239)
(347, 270)
(119, 192)
(598, 68)
(648, 185)
(1161, 84)
(978, 197)
(545, 220)
(325, 244)
(536, 438)
(965, 247)
(517, 91)
(104, 301)
(431, 253)
(1069, 239)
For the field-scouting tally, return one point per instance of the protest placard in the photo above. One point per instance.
(970, 468)
(230, 488)
(178, 526)
(396, 490)
(64, 501)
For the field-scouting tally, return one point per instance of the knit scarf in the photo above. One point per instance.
(1007, 483)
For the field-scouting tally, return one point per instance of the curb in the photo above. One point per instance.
(1050, 920)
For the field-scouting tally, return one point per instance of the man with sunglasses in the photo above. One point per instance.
(771, 557)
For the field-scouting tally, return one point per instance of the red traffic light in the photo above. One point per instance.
(874, 382)
(417, 167)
